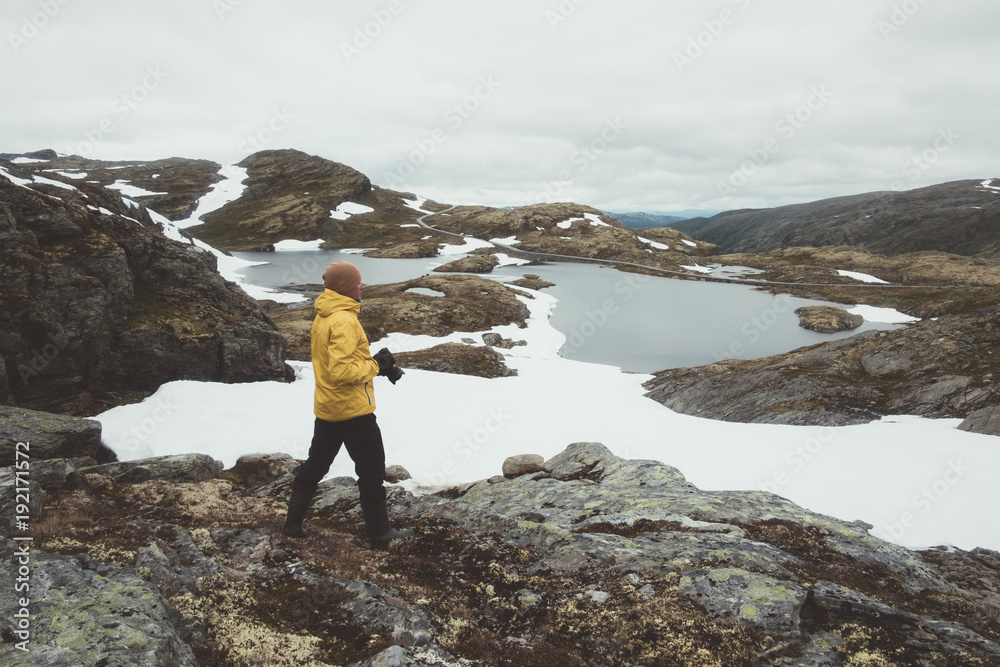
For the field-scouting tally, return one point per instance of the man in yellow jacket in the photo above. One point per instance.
(344, 405)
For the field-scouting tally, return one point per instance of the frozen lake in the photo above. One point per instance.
(638, 323)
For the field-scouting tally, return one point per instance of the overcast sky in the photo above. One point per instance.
(626, 105)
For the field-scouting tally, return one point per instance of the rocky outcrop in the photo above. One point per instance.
(827, 319)
(585, 558)
(470, 264)
(101, 308)
(49, 436)
(984, 420)
(457, 358)
(942, 368)
(92, 613)
(959, 217)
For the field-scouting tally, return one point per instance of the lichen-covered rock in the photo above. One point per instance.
(827, 319)
(262, 469)
(79, 616)
(395, 474)
(594, 560)
(735, 595)
(459, 359)
(524, 464)
(470, 264)
(49, 436)
(177, 468)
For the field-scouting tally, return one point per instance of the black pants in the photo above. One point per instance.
(363, 440)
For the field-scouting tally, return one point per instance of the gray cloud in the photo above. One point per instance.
(725, 104)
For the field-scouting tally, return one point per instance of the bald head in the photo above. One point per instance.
(342, 277)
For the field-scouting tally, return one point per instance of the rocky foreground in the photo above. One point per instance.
(584, 559)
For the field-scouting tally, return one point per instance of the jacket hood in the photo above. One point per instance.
(330, 302)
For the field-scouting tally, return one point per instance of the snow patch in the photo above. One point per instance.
(697, 268)
(655, 244)
(595, 220)
(347, 209)
(290, 244)
(689, 243)
(510, 240)
(507, 260)
(861, 277)
(230, 188)
(130, 190)
(883, 315)
(417, 205)
(469, 244)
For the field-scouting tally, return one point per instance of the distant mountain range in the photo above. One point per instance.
(961, 217)
(640, 220)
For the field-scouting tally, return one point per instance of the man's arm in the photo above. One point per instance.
(344, 364)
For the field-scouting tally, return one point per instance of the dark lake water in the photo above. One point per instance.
(638, 323)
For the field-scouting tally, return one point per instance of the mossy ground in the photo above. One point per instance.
(471, 584)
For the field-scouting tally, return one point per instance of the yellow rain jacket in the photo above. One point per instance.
(341, 359)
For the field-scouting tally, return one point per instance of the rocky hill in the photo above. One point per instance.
(573, 230)
(292, 195)
(962, 217)
(100, 308)
(584, 559)
(172, 187)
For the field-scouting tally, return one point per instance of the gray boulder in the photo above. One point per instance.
(79, 616)
(49, 436)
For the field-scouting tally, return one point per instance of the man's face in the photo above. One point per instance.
(355, 292)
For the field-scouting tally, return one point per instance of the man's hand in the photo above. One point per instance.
(387, 365)
(384, 359)
(394, 373)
